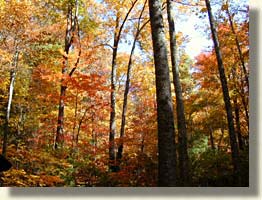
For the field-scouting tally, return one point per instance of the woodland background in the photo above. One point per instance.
(78, 95)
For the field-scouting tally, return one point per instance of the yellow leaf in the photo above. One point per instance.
(203, 10)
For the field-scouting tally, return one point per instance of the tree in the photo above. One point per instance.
(14, 66)
(127, 84)
(112, 124)
(181, 120)
(50, 56)
(207, 79)
(13, 36)
(241, 57)
(228, 107)
(165, 118)
(72, 30)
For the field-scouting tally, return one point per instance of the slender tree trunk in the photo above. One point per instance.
(60, 121)
(183, 164)
(238, 127)
(112, 123)
(75, 120)
(230, 120)
(127, 85)
(211, 138)
(242, 61)
(210, 131)
(221, 138)
(113, 101)
(142, 147)
(241, 57)
(72, 26)
(94, 135)
(79, 126)
(165, 116)
(9, 103)
(245, 104)
(236, 111)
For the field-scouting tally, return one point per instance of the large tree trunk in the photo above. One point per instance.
(228, 107)
(9, 103)
(127, 85)
(165, 116)
(183, 165)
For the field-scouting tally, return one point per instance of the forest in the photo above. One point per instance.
(105, 93)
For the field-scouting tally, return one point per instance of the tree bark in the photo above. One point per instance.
(165, 117)
(9, 103)
(228, 107)
(183, 165)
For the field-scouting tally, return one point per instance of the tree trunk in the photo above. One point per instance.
(230, 120)
(75, 121)
(79, 126)
(127, 85)
(242, 61)
(113, 101)
(238, 127)
(241, 57)
(221, 138)
(183, 164)
(60, 121)
(142, 147)
(244, 101)
(165, 117)
(72, 26)
(112, 122)
(211, 137)
(210, 129)
(9, 103)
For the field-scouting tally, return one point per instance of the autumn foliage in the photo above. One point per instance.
(35, 32)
